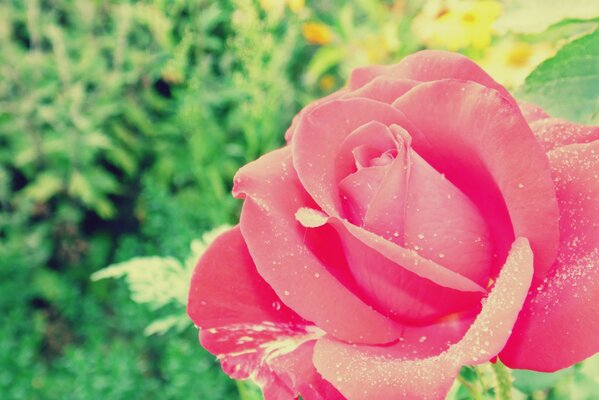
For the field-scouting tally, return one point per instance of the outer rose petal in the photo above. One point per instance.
(278, 245)
(559, 323)
(426, 66)
(532, 112)
(484, 146)
(297, 370)
(244, 323)
(554, 132)
(383, 88)
(291, 130)
(379, 373)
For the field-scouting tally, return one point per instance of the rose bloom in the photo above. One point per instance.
(418, 220)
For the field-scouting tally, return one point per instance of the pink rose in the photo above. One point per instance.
(417, 221)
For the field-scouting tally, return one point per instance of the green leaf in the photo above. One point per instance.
(535, 16)
(324, 59)
(532, 381)
(567, 85)
(248, 390)
(45, 186)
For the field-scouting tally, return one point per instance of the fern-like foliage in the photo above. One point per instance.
(161, 281)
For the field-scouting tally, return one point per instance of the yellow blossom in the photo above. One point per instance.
(317, 33)
(376, 48)
(457, 24)
(296, 5)
(278, 5)
(510, 61)
(267, 5)
(326, 83)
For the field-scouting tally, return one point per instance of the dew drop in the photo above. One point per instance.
(276, 305)
(286, 293)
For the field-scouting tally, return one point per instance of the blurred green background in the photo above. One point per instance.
(121, 126)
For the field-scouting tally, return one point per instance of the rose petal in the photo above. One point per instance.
(484, 147)
(559, 323)
(279, 246)
(532, 112)
(426, 66)
(409, 259)
(245, 324)
(373, 373)
(411, 204)
(442, 224)
(358, 189)
(386, 210)
(296, 370)
(315, 158)
(554, 132)
(402, 284)
(383, 88)
(226, 289)
(366, 190)
(397, 281)
(294, 123)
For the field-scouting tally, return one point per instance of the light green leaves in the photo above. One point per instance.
(580, 382)
(567, 85)
(531, 381)
(161, 281)
(156, 281)
(248, 390)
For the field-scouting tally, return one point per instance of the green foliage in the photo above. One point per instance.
(248, 391)
(531, 381)
(567, 85)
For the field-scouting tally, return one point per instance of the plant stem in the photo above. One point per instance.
(503, 390)
(472, 388)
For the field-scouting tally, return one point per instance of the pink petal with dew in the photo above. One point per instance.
(383, 88)
(381, 373)
(294, 123)
(245, 324)
(554, 132)
(559, 322)
(483, 145)
(398, 281)
(444, 225)
(319, 139)
(427, 66)
(532, 112)
(280, 247)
